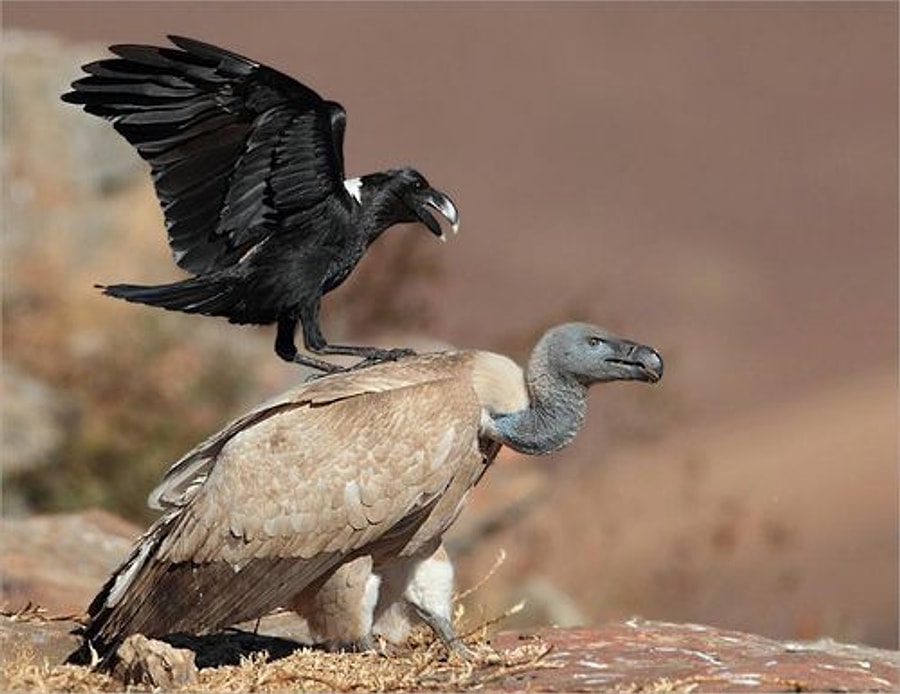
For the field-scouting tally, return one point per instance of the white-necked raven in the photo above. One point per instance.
(248, 166)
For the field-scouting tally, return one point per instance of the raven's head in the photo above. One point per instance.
(401, 196)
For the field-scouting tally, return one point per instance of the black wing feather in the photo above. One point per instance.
(235, 148)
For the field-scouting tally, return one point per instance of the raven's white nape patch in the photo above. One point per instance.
(354, 188)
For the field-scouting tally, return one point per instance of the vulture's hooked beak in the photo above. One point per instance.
(630, 361)
(429, 197)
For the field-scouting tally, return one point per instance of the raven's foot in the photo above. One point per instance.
(379, 356)
(289, 353)
(326, 367)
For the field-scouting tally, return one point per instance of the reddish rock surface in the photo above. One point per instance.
(639, 655)
(634, 655)
(60, 561)
(25, 633)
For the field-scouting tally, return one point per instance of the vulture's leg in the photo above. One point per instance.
(339, 611)
(287, 350)
(441, 626)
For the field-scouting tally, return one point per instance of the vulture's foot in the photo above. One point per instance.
(442, 627)
(456, 645)
(364, 644)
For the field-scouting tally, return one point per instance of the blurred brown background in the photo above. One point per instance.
(716, 179)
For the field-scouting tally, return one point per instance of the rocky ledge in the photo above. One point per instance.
(632, 655)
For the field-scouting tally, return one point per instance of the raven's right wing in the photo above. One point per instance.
(234, 146)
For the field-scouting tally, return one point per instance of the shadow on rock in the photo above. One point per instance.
(228, 647)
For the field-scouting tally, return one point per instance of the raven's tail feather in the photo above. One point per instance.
(204, 295)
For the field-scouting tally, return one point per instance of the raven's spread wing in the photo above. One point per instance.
(235, 147)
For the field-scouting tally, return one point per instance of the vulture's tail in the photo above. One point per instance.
(210, 296)
(104, 631)
(153, 595)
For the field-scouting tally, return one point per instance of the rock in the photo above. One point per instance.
(37, 69)
(28, 631)
(34, 420)
(140, 660)
(633, 655)
(641, 655)
(60, 561)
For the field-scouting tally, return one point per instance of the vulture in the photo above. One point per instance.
(248, 166)
(373, 463)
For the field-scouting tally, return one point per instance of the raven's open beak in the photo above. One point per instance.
(633, 362)
(429, 197)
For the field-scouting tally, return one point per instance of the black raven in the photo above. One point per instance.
(248, 166)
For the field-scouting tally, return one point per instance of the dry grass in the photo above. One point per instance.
(421, 667)
(421, 664)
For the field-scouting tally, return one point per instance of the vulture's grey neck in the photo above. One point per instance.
(558, 403)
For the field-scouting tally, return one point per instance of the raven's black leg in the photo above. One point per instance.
(314, 341)
(287, 350)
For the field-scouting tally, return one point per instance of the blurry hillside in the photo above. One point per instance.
(717, 180)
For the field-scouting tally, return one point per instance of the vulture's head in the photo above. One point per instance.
(400, 196)
(591, 355)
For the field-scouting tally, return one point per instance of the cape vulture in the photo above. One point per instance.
(372, 463)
